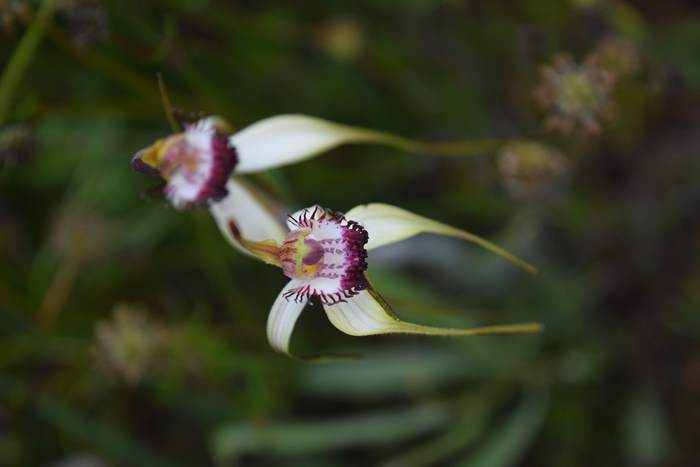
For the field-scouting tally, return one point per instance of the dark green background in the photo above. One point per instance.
(614, 379)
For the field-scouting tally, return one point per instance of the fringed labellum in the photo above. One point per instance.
(327, 252)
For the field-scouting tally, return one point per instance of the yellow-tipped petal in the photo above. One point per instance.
(388, 224)
(368, 314)
(147, 160)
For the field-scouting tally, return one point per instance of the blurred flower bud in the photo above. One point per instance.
(531, 170)
(78, 238)
(15, 144)
(80, 235)
(576, 96)
(130, 345)
(618, 56)
(85, 21)
(341, 38)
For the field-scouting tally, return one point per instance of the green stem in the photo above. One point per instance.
(22, 56)
(167, 105)
(457, 148)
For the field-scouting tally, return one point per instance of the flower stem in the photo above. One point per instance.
(457, 148)
(167, 105)
(22, 56)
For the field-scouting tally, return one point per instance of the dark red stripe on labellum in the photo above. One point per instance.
(340, 258)
(225, 160)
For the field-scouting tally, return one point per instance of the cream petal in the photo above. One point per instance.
(283, 316)
(251, 213)
(285, 139)
(368, 313)
(389, 224)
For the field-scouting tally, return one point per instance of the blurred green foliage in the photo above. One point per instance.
(132, 334)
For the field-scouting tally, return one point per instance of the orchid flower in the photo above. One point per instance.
(324, 255)
(197, 162)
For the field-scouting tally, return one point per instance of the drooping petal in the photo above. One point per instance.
(367, 314)
(245, 215)
(283, 316)
(388, 224)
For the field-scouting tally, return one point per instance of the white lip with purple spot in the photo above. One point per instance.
(326, 253)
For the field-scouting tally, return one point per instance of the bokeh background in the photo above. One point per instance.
(133, 335)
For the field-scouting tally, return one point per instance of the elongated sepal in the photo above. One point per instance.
(389, 224)
(368, 314)
(286, 139)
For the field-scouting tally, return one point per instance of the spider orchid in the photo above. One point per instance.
(197, 162)
(324, 254)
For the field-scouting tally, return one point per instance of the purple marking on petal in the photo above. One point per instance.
(197, 165)
(346, 259)
(316, 253)
(140, 166)
(356, 238)
(225, 159)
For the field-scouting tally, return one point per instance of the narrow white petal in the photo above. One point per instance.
(388, 224)
(285, 139)
(253, 215)
(367, 314)
(283, 316)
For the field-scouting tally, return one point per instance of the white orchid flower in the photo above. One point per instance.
(325, 257)
(197, 162)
